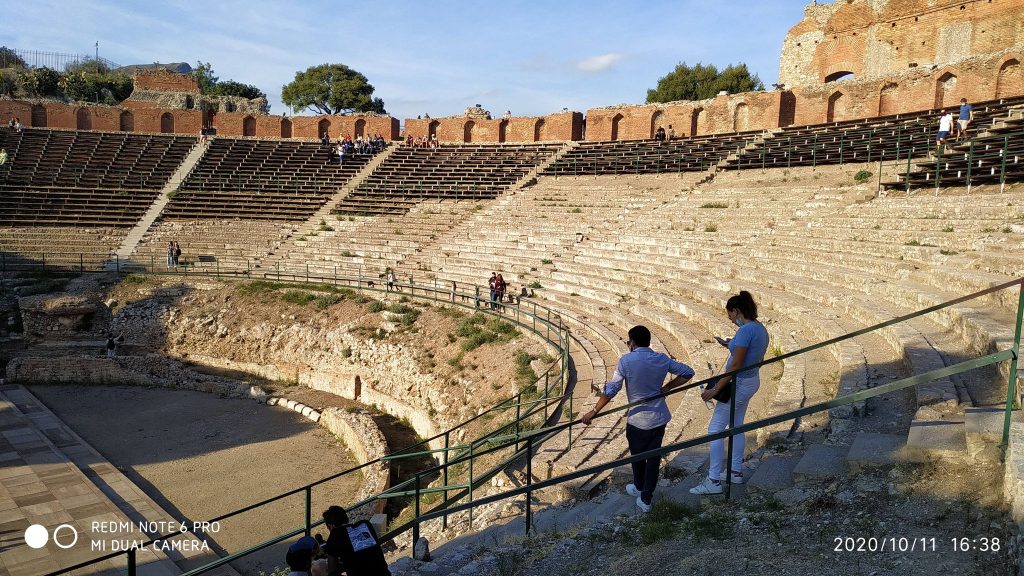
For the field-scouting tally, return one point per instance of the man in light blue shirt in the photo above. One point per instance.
(643, 372)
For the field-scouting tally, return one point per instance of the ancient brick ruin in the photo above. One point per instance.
(845, 60)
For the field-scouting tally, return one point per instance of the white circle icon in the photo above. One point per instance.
(36, 536)
(70, 528)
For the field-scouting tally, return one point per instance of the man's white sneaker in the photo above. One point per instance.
(632, 491)
(708, 486)
(645, 508)
(737, 477)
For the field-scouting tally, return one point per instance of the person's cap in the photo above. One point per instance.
(306, 543)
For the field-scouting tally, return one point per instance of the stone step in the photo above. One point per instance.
(821, 462)
(870, 449)
(984, 430)
(773, 474)
(933, 436)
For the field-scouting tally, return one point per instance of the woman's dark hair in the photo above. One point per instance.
(743, 302)
(336, 516)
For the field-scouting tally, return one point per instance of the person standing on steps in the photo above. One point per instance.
(746, 348)
(643, 371)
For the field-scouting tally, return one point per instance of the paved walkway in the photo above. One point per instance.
(50, 476)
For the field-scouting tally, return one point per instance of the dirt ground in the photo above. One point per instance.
(200, 456)
(838, 529)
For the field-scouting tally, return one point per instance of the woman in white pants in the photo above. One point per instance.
(746, 348)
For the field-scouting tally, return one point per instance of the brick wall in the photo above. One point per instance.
(164, 81)
(873, 39)
(563, 126)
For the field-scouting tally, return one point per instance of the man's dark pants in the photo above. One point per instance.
(645, 472)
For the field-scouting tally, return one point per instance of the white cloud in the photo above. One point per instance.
(599, 63)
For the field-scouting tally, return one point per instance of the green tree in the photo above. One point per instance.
(87, 65)
(331, 89)
(203, 73)
(10, 59)
(39, 82)
(8, 82)
(87, 86)
(232, 88)
(701, 81)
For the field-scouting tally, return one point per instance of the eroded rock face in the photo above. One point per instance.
(48, 316)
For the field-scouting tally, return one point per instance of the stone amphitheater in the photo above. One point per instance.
(881, 263)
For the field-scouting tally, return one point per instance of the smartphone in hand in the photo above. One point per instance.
(721, 341)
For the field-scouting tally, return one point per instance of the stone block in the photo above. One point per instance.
(870, 449)
(773, 474)
(821, 462)
(936, 439)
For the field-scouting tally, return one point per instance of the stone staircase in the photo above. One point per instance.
(131, 241)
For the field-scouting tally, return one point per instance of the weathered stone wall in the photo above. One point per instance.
(877, 38)
(562, 127)
(161, 80)
(148, 370)
(49, 316)
(366, 442)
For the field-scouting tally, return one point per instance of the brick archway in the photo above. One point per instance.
(167, 123)
(696, 120)
(38, 116)
(502, 131)
(127, 121)
(538, 130)
(945, 90)
(432, 128)
(1010, 79)
(360, 128)
(887, 99)
(657, 120)
(83, 120)
(248, 126)
(467, 131)
(741, 118)
(323, 127)
(616, 120)
(836, 107)
(286, 128)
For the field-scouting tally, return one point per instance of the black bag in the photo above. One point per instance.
(725, 394)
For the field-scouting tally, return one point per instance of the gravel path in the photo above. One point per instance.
(199, 456)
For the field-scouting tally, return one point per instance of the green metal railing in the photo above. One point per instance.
(537, 318)
(524, 444)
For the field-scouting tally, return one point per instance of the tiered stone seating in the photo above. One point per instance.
(226, 245)
(455, 172)
(896, 137)
(995, 156)
(649, 156)
(68, 197)
(72, 247)
(261, 180)
(91, 179)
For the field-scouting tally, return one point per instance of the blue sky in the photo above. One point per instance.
(435, 56)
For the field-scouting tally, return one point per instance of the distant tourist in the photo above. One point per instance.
(390, 279)
(325, 139)
(945, 127)
(112, 344)
(202, 135)
(671, 132)
(453, 290)
(746, 348)
(966, 116)
(492, 283)
(659, 134)
(408, 140)
(352, 548)
(3, 156)
(300, 556)
(643, 371)
(499, 290)
(170, 254)
(177, 253)
(507, 115)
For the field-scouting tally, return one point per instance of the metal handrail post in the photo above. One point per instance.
(940, 150)
(416, 524)
(1002, 167)
(309, 509)
(132, 563)
(1011, 386)
(907, 177)
(529, 483)
(732, 437)
(444, 519)
(789, 152)
(470, 490)
(970, 162)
